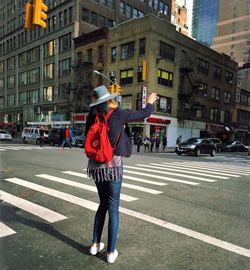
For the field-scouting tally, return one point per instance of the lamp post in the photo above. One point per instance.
(99, 73)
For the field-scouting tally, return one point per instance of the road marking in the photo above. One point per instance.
(10, 148)
(1, 149)
(186, 167)
(162, 177)
(34, 209)
(223, 166)
(162, 223)
(205, 167)
(168, 168)
(168, 173)
(124, 197)
(147, 190)
(5, 230)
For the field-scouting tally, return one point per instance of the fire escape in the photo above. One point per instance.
(188, 90)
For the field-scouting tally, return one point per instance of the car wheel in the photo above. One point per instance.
(178, 153)
(37, 141)
(197, 152)
(212, 154)
(24, 140)
(219, 150)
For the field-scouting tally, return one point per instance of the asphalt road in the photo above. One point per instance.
(177, 212)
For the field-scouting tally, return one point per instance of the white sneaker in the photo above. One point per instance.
(112, 256)
(96, 249)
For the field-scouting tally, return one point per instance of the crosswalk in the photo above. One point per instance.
(155, 178)
(34, 147)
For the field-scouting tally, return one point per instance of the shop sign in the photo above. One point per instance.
(80, 118)
(158, 121)
(144, 97)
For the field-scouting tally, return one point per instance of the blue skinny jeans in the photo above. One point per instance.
(109, 195)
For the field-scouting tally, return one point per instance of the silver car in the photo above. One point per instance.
(5, 136)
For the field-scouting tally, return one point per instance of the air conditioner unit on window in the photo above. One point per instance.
(139, 69)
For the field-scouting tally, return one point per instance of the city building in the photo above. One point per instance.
(179, 16)
(205, 19)
(233, 30)
(39, 69)
(195, 84)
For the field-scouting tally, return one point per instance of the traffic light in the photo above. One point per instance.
(39, 15)
(28, 15)
(111, 88)
(118, 89)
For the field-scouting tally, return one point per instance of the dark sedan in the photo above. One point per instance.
(196, 146)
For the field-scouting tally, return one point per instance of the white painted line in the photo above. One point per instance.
(168, 173)
(34, 209)
(124, 177)
(124, 197)
(168, 168)
(11, 148)
(5, 230)
(162, 177)
(1, 149)
(196, 235)
(187, 168)
(204, 167)
(162, 223)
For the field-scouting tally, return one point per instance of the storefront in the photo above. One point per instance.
(79, 120)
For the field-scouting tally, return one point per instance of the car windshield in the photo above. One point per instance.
(77, 132)
(192, 141)
(3, 132)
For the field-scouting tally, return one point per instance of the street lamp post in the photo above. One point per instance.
(99, 73)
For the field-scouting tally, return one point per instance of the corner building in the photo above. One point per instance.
(195, 84)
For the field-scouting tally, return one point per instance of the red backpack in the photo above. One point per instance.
(97, 144)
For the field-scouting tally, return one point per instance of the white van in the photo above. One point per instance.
(32, 134)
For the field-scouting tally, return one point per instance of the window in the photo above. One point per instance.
(203, 66)
(227, 97)
(113, 54)
(216, 93)
(60, 19)
(11, 81)
(93, 18)
(11, 100)
(65, 16)
(1, 102)
(142, 46)
(202, 89)
(129, 11)
(122, 8)
(22, 78)
(90, 55)
(1, 67)
(126, 76)
(127, 50)
(48, 93)
(102, 21)
(164, 104)
(65, 43)
(85, 15)
(244, 98)
(1, 83)
(11, 63)
(49, 48)
(22, 98)
(70, 15)
(64, 67)
(214, 114)
(227, 118)
(139, 74)
(33, 75)
(48, 71)
(110, 3)
(167, 51)
(100, 53)
(165, 78)
(229, 77)
(135, 13)
(217, 72)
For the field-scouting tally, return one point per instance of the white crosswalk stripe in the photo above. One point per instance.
(32, 208)
(147, 190)
(5, 230)
(146, 218)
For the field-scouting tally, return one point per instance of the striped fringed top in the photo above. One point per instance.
(105, 171)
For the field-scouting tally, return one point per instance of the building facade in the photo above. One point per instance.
(233, 30)
(195, 84)
(39, 68)
(179, 16)
(205, 19)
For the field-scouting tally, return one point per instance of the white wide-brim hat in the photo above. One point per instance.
(102, 94)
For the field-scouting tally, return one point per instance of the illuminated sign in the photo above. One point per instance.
(158, 121)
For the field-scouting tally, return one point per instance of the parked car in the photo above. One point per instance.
(218, 144)
(32, 134)
(196, 146)
(235, 146)
(56, 135)
(5, 136)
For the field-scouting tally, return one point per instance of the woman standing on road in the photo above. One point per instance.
(108, 176)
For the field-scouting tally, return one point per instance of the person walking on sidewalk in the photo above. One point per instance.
(152, 143)
(66, 139)
(164, 142)
(108, 176)
(157, 144)
(139, 142)
(146, 143)
(42, 138)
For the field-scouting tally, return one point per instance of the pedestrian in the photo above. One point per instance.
(164, 142)
(139, 142)
(157, 143)
(146, 143)
(108, 176)
(152, 143)
(178, 141)
(41, 132)
(66, 138)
